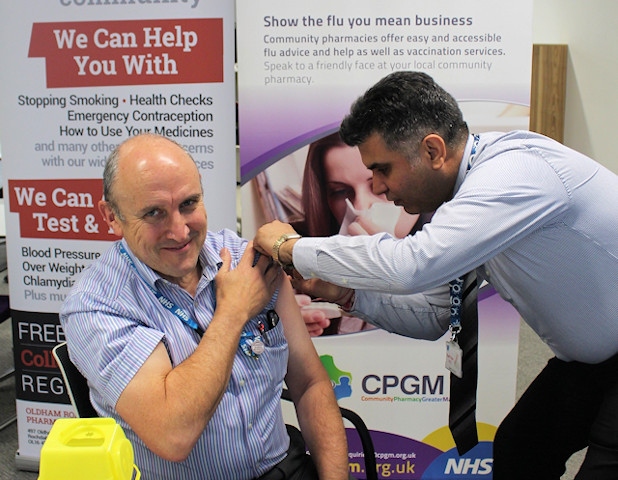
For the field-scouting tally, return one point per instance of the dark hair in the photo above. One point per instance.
(319, 220)
(403, 108)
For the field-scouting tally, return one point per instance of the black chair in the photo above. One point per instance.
(5, 314)
(79, 394)
(371, 469)
(75, 383)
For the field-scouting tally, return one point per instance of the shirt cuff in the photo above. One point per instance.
(304, 256)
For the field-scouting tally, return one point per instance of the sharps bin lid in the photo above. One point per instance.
(87, 449)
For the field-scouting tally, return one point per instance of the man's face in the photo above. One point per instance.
(159, 196)
(417, 185)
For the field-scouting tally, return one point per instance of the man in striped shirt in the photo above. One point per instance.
(176, 329)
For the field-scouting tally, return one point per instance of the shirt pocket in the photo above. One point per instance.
(275, 353)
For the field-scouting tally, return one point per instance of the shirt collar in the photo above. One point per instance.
(210, 261)
(209, 258)
(466, 162)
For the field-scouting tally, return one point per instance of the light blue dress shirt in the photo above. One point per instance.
(537, 220)
(113, 322)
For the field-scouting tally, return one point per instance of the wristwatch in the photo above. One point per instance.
(277, 245)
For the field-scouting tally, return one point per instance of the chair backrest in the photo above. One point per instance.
(75, 383)
(369, 453)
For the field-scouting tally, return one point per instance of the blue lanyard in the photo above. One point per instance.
(251, 344)
(456, 286)
(179, 312)
(456, 289)
(475, 144)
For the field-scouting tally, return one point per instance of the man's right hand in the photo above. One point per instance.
(317, 288)
(268, 234)
(246, 289)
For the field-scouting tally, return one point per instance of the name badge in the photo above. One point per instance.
(454, 356)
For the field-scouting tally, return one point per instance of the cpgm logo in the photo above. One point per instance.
(342, 381)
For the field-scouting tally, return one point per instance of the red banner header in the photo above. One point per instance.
(63, 209)
(130, 52)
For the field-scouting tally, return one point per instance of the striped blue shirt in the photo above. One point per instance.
(113, 322)
(538, 221)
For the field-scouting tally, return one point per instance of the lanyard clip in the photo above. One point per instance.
(454, 329)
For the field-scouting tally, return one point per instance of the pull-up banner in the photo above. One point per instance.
(300, 67)
(301, 64)
(78, 78)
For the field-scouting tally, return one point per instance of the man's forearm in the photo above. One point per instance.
(322, 427)
(419, 315)
(188, 394)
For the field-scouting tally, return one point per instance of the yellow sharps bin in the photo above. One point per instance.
(87, 449)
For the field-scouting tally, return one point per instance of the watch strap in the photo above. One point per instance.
(277, 245)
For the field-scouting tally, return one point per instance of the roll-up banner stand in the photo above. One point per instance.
(300, 66)
(76, 79)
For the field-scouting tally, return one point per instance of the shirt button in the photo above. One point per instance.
(250, 426)
(241, 382)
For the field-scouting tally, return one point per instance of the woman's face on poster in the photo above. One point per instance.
(348, 178)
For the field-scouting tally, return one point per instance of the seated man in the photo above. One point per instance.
(177, 332)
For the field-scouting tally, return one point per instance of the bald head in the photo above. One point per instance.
(138, 156)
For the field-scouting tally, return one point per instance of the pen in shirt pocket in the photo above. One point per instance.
(272, 319)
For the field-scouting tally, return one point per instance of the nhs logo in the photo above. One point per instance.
(477, 464)
(468, 466)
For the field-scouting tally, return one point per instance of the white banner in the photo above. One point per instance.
(77, 79)
(300, 66)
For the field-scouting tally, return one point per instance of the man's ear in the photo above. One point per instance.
(434, 146)
(110, 218)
